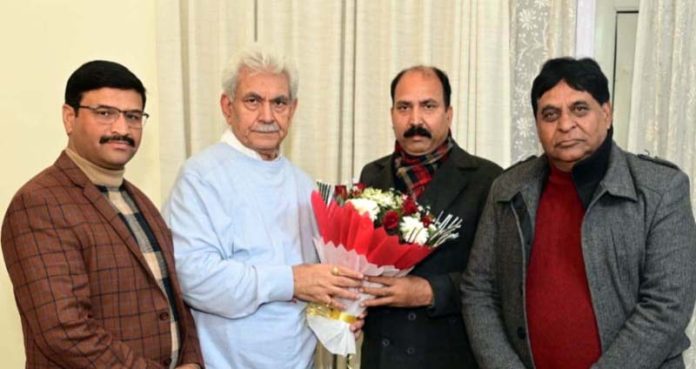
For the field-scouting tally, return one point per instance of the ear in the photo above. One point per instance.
(607, 114)
(450, 112)
(68, 118)
(225, 106)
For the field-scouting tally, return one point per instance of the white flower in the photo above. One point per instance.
(413, 231)
(383, 199)
(365, 206)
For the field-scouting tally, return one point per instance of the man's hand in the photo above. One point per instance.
(356, 327)
(321, 282)
(408, 291)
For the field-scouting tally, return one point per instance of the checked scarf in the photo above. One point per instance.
(415, 172)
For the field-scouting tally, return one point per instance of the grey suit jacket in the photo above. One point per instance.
(639, 247)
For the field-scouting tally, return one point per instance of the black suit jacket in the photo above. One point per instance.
(431, 337)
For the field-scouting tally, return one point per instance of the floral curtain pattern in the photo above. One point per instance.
(540, 29)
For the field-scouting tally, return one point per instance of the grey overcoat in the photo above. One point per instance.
(639, 248)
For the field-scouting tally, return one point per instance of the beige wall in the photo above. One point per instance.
(42, 42)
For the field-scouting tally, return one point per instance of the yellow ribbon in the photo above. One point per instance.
(315, 309)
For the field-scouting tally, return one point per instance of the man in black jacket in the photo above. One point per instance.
(415, 321)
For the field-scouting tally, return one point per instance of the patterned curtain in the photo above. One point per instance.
(540, 29)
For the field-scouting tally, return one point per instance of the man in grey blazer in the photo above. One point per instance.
(415, 321)
(586, 256)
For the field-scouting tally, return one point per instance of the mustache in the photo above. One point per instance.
(266, 127)
(417, 130)
(123, 138)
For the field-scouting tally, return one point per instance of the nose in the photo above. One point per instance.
(120, 125)
(415, 117)
(566, 122)
(266, 114)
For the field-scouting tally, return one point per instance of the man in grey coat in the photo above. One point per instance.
(586, 256)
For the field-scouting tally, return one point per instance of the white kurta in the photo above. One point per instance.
(239, 224)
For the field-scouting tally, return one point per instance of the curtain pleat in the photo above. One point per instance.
(663, 100)
(347, 53)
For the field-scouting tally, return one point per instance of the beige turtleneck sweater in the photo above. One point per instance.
(96, 174)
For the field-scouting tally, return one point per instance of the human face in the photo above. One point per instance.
(109, 146)
(261, 111)
(571, 125)
(419, 103)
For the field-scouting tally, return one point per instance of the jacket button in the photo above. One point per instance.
(164, 316)
(385, 342)
(167, 361)
(412, 316)
(410, 351)
(521, 333)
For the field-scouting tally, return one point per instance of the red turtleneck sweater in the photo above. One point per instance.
(562, 326)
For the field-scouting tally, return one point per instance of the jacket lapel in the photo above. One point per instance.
(100, 202)
(449, 180)
(618, 180)
(522, 191)
(385, 176)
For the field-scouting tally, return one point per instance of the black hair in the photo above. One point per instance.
(442, 76)
(97, 74)
(580, 74)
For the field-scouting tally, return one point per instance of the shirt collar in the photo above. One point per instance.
(229, 138)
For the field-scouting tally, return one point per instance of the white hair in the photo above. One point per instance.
(258, 59)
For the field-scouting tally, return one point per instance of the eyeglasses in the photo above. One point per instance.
(109, 115)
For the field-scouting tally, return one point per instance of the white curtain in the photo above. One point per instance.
(663, 102)
(194, 39)
(663, 107)
(347, 52)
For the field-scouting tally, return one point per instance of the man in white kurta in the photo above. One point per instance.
(239, 224)
(243, 226)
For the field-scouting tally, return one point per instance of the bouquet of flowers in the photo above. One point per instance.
(375, 232)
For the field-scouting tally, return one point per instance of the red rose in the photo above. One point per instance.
(341, 192)
(358, 189)
(410, 206)
(426, 220)
(390, 220)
